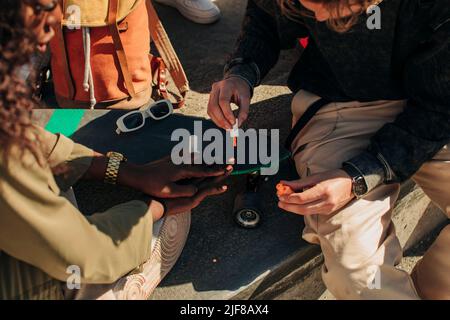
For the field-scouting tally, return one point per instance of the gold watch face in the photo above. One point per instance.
(116, 155)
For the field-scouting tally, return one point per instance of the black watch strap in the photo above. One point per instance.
(359, 185)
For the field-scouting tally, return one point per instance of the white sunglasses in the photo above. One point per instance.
(135, 120)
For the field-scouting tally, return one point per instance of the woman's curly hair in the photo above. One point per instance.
(17, 45)
(293, 10)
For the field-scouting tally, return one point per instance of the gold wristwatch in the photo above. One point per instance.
(112, 170)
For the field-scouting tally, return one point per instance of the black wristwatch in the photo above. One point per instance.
(359, 185)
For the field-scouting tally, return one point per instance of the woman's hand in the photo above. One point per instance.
(162, 178)
(183, 205)
(206, 188)
(324, 193)
(223, 93)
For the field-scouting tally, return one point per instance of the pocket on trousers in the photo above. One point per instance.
(302, 169)
(318, 129)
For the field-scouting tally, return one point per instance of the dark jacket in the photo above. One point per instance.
(408, 58)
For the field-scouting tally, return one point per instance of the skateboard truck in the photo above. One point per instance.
(248, 205)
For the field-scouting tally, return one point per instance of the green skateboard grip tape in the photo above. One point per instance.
(65, 121)
(256, 169)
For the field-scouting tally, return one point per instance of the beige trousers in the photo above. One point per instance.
(359, 243)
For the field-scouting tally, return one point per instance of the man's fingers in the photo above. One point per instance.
(304, 197)
(225, 99)
(244, 106)
(304, 210)
(215, 111)
(299, 185)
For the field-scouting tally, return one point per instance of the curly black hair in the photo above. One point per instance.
(17, 44)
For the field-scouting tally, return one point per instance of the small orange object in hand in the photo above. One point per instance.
(284, 190)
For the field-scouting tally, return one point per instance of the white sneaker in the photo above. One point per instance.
(169, 237)
(199, 11)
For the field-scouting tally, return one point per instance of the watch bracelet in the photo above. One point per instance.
(112, 169)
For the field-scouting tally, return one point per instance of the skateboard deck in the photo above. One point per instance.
(97, 129)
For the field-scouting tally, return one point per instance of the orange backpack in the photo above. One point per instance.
(101, 56)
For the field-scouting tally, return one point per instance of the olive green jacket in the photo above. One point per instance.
(42, 232)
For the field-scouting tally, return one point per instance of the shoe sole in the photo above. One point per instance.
(167, 249)
(188, 15)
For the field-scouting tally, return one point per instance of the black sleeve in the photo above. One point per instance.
(423, 129)
(258, 45)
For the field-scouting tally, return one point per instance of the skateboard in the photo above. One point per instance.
(97, 129)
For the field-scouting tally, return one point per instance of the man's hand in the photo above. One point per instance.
(162, 178)
(223, 93)
(324, 193)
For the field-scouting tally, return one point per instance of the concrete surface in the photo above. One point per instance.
(221, 260)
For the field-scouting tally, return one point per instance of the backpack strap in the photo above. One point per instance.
(59, 36)
(120, 52)
(170, 62)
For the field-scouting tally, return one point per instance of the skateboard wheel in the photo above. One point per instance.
(248, 218)
(247, 209)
